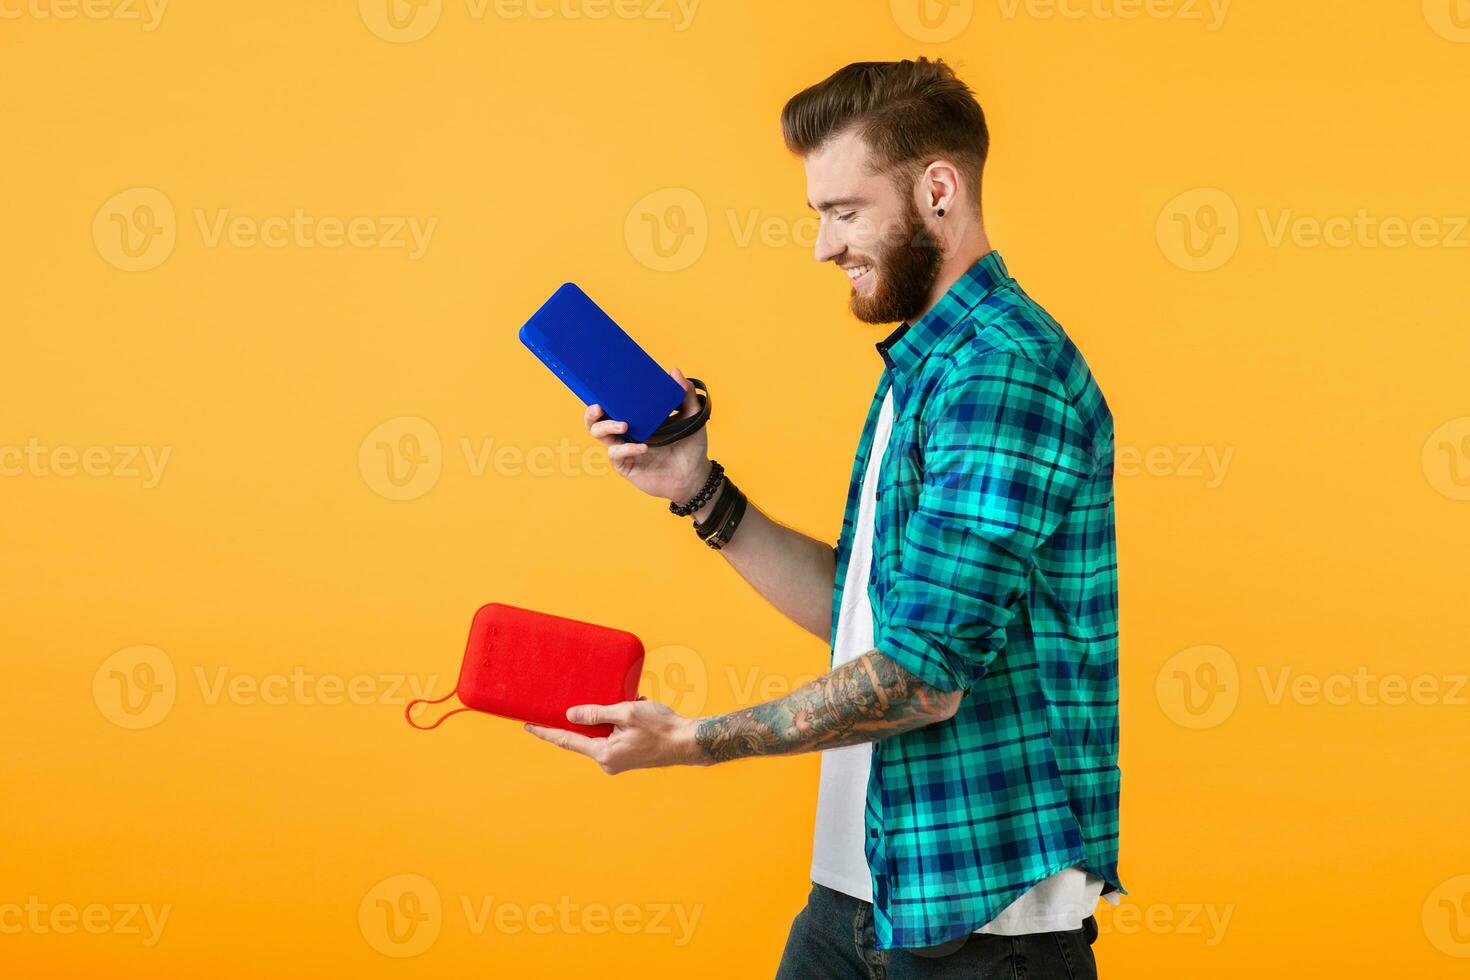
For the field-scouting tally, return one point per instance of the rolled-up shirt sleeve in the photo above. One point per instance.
(1004, 456)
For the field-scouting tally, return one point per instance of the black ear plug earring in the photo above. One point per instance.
(941, 212)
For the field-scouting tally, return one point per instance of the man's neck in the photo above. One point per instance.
(959, 257)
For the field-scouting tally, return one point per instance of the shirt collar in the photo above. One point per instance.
(906, 347)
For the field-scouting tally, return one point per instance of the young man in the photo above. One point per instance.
(967, 811)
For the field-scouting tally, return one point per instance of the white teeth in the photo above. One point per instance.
(856, 272)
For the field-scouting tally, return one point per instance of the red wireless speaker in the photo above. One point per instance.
(532, 666)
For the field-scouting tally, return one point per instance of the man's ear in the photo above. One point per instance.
(939, 187)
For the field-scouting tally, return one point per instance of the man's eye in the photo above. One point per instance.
(847, 216)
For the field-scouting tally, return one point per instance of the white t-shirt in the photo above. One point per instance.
(839, 862)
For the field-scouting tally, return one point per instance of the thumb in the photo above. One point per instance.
(584, 714)
(598, 714)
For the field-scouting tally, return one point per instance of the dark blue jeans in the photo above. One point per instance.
(833, 938)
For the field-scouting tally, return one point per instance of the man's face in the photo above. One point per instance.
(872, 231)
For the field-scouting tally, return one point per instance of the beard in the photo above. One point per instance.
(904, 273)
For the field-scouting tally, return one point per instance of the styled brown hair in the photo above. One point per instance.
(909, 113)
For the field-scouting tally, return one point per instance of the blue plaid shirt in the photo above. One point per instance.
(994, 572)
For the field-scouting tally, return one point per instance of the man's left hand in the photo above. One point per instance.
(645, 735)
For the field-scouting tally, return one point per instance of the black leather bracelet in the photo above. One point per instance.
(721, 511)
(726, 531)
(711, 484)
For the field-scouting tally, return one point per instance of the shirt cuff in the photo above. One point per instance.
(924, 657)
(944, 638)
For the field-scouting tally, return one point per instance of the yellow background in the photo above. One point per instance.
(1330, 837)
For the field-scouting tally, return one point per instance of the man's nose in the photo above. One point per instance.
(828, 248)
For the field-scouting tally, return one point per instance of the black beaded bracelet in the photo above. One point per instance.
(711, 484)
(720, 513)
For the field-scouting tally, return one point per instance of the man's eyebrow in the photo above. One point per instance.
(840, 202)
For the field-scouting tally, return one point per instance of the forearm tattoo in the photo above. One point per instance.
(864, 700)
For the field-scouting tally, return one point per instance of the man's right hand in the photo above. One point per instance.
(674, 472)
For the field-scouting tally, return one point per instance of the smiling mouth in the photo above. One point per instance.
(858, 275)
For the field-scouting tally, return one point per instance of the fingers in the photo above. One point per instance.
(600, 714)
(607, 431)
(571, 741)
(690, 405)
(604, 429)
(626, 450)
(592, 414)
